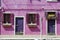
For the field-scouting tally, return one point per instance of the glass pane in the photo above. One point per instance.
(32, 18)
(6, 18)
(51, 15)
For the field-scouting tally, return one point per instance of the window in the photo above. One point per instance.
(52, 0)
(51, 15)
(6, 18)
(32, 19)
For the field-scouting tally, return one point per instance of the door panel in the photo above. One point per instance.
(51, 26)
(19, 25)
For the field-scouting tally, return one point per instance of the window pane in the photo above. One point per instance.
(51, 15)
(6, 18)
(31, 18)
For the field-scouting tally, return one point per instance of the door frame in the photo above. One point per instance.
(55, 22)
(23, 23)
(55, 27)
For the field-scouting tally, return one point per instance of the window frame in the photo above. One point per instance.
(55, 20)
(30, 18)
(35, 20)
(10, 23)
(6, 18)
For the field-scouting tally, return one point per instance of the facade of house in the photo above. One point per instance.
(30, 17)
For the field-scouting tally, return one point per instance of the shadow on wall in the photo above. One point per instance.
(8, 28)
(58, 19)
(34, 29)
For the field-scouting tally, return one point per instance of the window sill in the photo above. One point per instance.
(32, 24)
(7, 24)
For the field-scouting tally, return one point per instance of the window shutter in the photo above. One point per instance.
(37, 19)
(32, 18)
(58, 18)
(12, 19)
(3, 18)
(27, 18)
(0, 16)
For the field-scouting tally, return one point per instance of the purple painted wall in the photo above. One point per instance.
(17, 8)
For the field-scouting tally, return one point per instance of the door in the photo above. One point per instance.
(19, 25)
(51, 26)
